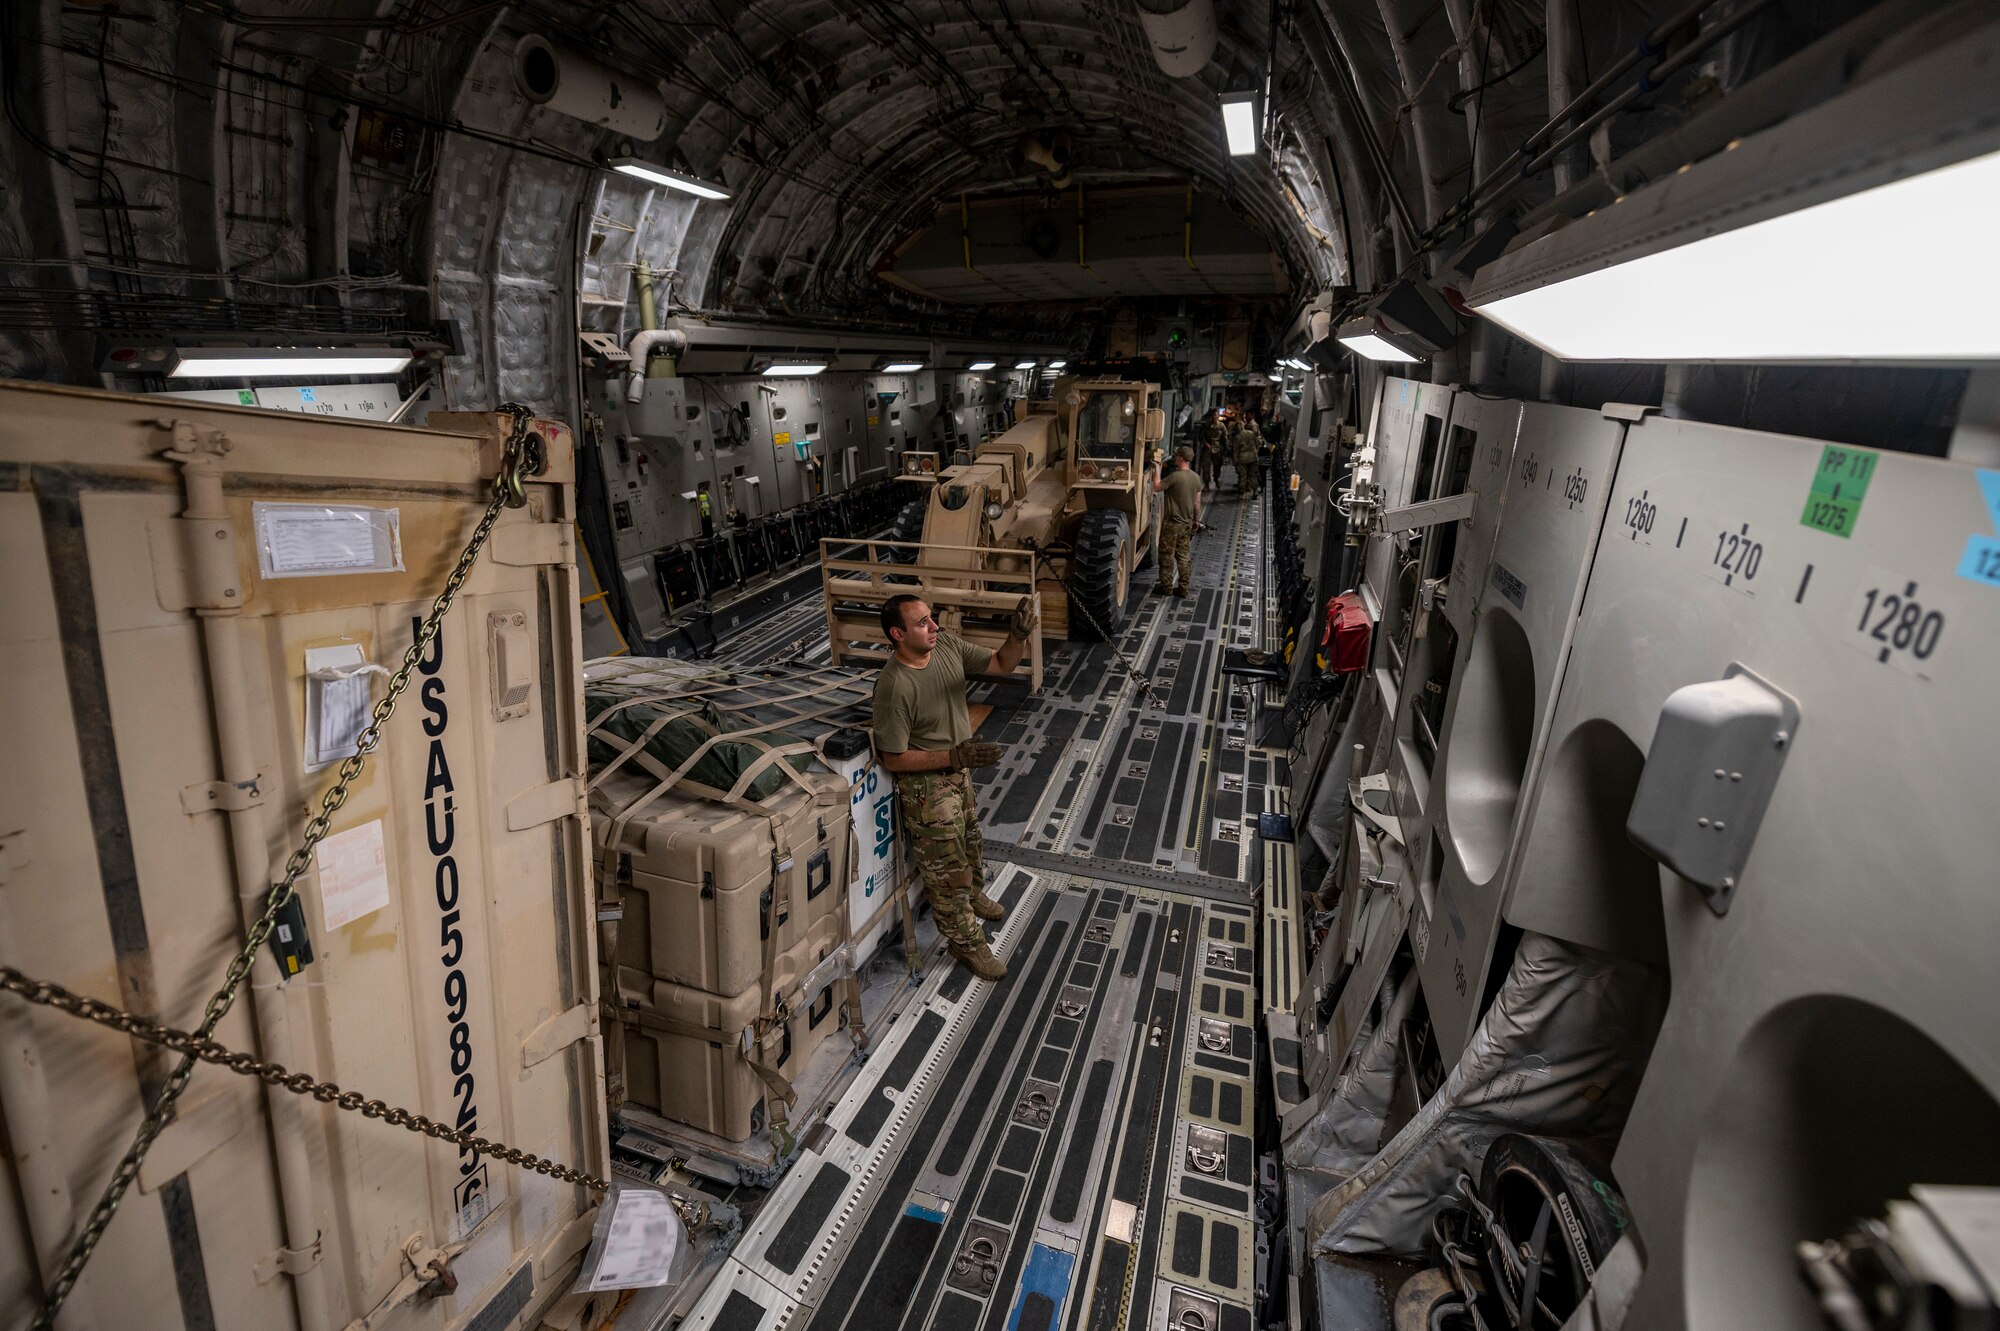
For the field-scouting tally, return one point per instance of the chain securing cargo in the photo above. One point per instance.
(199, 452)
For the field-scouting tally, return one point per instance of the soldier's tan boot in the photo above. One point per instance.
(982, 962)
(985, 907)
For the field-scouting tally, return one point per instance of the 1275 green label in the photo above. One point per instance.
(1839, 484)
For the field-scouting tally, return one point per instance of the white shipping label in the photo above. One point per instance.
(336, 709)
(319, 540)
(639, 1246)
(353, 874)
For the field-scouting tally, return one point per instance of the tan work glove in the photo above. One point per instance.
(975, 753)
(1027, 618)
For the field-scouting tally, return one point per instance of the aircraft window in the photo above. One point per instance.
(1105, 426)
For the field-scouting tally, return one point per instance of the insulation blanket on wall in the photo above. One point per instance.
(1346, 1129)
(1560, 1053)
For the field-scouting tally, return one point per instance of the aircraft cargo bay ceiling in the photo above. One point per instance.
(441, 170)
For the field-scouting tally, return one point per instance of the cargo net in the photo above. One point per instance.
(764, 741)
(734, 736)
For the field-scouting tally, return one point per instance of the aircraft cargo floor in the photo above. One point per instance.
(1073, 1146)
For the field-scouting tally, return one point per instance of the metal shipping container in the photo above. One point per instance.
(170, 572)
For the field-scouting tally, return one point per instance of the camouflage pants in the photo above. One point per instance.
(941, 815)
(1176, 553)
(1246, 471)
(1211, 467)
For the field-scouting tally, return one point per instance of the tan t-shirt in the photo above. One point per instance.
(925, 709)
(1182, 489)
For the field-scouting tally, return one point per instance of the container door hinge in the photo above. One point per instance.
(286, 1261)
(545, 804)
(559, 1033)
(225, 796)
(528, 544)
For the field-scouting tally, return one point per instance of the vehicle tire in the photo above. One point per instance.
(1521, 1175)
(908, 526)
(1100, 575)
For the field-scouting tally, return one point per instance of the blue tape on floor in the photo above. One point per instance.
(1048, 1275)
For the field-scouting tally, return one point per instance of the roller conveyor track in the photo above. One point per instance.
(1072, 1147)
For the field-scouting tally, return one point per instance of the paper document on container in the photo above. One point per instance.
(637, 1247)
(336, 709)
(353, 874)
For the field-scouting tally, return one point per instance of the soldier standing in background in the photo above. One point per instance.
(1180, 514)
(923, 734)
(1211, 450)
(1246, 456)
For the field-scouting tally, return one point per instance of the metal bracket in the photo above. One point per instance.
(1037, 1105)
(224, 796)
(1207, 1150)
(1431, 513)
(975, 1268)
(1627, 411)
(287, 1262)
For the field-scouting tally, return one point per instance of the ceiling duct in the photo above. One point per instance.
(1181, 34)
(573, 84)
(1050, 153)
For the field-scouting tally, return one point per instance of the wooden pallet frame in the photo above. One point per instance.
(951, 591)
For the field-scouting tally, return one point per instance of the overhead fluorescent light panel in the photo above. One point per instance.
(1778, 250)
(982, 365)
(640, 169)
(283, 362)
(1239, 122)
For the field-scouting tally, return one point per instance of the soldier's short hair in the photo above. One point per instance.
(1184, 454)
(892, 613)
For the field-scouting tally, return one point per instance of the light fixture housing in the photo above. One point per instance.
(979, 365)
(1024, 365)
(1770, 251)
(640, 169)
(1057, 364)
(893, 366)
(1239, 122)
(1366, 337)
(283, 362)
(1406, 322)
(792, 369)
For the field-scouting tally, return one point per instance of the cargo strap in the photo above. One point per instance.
(773, 1079)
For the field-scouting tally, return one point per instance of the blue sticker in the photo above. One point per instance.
(924, 1213)
(306, 395)
(1981, 562)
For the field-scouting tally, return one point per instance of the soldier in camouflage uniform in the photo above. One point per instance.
(1180, 514)
(1245, 457)
(1210, 458)
(924, 735)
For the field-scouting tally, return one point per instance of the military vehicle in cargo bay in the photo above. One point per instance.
(1060, 505)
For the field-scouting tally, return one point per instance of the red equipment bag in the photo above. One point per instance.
(1343, 643)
